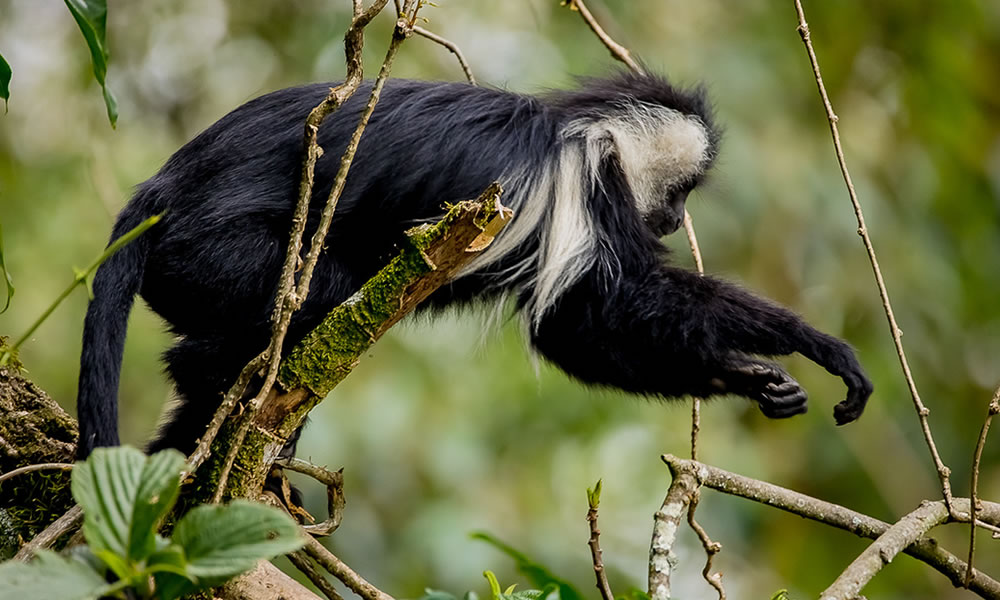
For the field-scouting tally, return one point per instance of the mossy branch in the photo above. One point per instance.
(432, 255)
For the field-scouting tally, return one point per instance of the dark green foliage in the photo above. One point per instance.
(125, 496)
(92, 16)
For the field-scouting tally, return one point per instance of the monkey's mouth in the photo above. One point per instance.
(664, 225)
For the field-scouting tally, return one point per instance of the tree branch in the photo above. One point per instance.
(432, 256)
(924, 549)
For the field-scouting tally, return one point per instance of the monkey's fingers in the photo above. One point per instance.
(859, 389)
(754, 374)
(780, 401)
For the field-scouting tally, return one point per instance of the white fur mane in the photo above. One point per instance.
(658, 147)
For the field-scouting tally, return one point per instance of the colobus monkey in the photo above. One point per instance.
(595, 176)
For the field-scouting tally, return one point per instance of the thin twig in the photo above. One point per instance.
(617, 50)
(973, 495)
(296, 294)
(80, 278)
(304, 564)
(285, 299)
(450, 45)
(596, 555)
(623, 54)
(61, 526)
(38, 467)
(334, 482)
(711, 548)
(693, 242)
(344, 573)
(924, 549)
(944, 473)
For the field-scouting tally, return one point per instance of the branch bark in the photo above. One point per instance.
(924, 549)
(432, 256)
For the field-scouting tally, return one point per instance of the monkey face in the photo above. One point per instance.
(669, 216)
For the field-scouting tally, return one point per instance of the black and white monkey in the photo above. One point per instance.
(595, 176)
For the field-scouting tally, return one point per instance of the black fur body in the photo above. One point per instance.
(585, 263)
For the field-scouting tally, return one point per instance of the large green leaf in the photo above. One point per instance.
(5, 279)
(222, 541)
(169, 568)
(50, 576)
(5, 74)
(537, 573)
(92, 16)
(124, 494)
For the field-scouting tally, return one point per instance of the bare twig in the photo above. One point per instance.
(944, 473)
(286, 300)
(38, 467)
(593, 501)
(924, 549)
(292, 294)
(61, 526)
(450, 45)
(693, 242)
(303, 563)
(974, 491)
(335, 501)
(617, 50)
(711, 548)
(344, 573)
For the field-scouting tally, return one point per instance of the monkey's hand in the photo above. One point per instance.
(776, 393)
(838, 358)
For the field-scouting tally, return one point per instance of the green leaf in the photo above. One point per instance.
(5, 74)
(594, 495)
(124, 495)
(50, 576)
(7, 280)
(169, 568)
(92, 16)
(538, 574)
(220, 542)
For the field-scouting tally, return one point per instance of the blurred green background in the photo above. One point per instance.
(449, 426)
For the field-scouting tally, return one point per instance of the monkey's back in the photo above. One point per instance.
(214, 260)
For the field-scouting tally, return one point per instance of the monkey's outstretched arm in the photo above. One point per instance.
(672, 332)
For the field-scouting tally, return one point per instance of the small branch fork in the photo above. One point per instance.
(944, 473)
(448, 44)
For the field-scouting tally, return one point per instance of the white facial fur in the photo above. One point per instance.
(659, 148)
